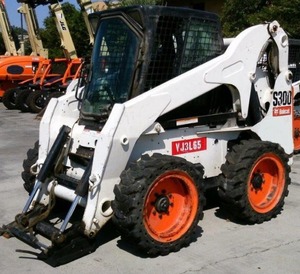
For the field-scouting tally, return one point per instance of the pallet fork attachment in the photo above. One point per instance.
(67, 244)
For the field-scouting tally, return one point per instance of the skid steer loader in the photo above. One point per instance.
(163, 116)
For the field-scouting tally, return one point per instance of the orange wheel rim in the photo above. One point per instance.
(266, 183)
(171, 206)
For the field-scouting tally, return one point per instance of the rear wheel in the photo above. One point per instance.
(159, 202)
(9, 98)
(256, 179)
(36, 100)
(27, 176)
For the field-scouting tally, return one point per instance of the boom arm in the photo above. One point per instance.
(66, 39)
(61, 24)
(6, 31)
(87, 7)
(33, 30)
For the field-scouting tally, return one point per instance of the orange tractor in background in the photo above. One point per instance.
(34, 96)
(44, 72)
(15, 69)
(53, 75)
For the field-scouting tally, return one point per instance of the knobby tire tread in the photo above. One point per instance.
(130, 195)
(27, 176)
(233, 188)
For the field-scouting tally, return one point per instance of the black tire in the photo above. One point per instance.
(153, 190)
(9, 98)
(255, 180)
(27, 176)
(36, 101)
(21, 99)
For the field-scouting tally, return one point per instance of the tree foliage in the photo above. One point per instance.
(238, 15)
(137, 2)
(20, 33)
(77, 28)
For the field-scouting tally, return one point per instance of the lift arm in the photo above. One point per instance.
(6, 31)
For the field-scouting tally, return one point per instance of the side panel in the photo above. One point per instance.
(277, 126)
(209, 149)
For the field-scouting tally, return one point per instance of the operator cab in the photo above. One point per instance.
(141, 47)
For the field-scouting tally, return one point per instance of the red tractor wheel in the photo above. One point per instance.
(255, 180)
(266, 183)
(159, 203)
(170, 207)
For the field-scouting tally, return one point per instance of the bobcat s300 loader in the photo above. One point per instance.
(164, 114)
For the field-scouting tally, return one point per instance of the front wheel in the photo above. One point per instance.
(159, 202)
(27, 176)
(9, 98)
(255, 180)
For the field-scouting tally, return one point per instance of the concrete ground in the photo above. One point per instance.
(224, 246)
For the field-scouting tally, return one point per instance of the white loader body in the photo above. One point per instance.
(132, 130)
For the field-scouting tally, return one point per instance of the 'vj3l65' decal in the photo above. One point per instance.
(282, 103)
(190, 145)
